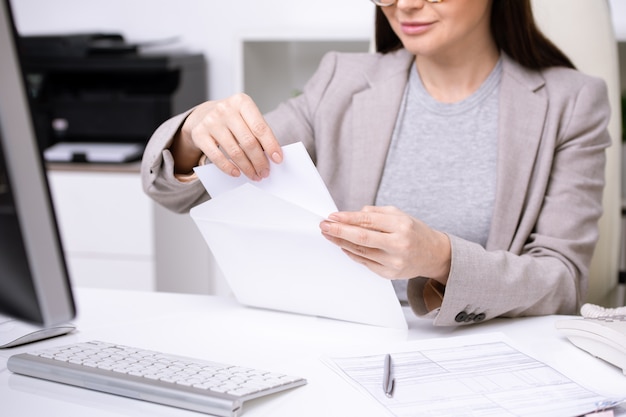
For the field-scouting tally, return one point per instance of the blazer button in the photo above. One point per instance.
(461, 317)
(470, 317)
(479, 317)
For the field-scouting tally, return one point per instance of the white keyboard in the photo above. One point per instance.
(207, 387)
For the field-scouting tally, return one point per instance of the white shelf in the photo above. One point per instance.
(273, 68)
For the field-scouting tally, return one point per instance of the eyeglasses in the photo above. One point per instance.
(383, 3)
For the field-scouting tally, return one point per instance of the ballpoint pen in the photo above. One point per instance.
(388, 379)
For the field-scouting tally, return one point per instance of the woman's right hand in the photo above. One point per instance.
(232, 133)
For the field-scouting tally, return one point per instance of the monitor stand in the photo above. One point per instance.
(15, 332)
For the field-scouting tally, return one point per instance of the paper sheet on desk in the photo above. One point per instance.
(265, 237)
(478, 375)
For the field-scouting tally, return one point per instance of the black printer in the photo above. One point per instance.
(97, 88)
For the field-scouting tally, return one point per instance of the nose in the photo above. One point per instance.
(410, 4)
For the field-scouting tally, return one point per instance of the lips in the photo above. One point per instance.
(415, 28)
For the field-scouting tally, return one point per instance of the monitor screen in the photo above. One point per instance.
(34, 284)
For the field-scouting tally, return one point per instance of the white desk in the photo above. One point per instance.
(220, 329)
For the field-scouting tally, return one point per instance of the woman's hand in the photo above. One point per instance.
(232, 133)
(390, 243)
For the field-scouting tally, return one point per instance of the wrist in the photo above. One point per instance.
(185, 155)
(444, 259)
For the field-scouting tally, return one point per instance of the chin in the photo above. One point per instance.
(418, 50)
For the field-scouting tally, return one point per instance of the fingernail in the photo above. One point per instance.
(277, 158)
(265, 173)
(325, 227)
(235, 172)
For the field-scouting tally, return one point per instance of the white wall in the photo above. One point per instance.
(618, 12)
(211, 27)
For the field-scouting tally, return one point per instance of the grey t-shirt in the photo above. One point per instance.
(441, 165)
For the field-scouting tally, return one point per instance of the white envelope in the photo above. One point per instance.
(266, 239)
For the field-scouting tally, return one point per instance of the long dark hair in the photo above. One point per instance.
(513, 28)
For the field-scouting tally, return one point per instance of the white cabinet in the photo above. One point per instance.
(115, 236)
(106, 225)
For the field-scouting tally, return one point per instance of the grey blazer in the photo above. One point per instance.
(550, 176)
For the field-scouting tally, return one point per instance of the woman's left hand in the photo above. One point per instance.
(391, 243)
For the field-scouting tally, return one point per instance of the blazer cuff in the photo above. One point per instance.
(191, 176)
(425, 295)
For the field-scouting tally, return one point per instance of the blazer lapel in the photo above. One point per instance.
(373, 121)
(521, 120)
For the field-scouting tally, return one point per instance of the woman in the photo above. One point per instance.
(467, 157)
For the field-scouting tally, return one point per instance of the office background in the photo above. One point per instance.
(116, 237)
(215, 27)
(208, 26)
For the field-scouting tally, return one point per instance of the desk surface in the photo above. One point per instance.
(220, 329)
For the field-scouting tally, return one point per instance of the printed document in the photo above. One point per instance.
(266, 239)
(482, 375)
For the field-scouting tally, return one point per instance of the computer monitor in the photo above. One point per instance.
(35, 293)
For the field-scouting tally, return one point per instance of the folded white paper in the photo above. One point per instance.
(296, 180)
(266, 239)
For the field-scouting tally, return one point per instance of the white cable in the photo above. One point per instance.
(595, 311)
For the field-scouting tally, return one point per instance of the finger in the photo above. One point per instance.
(244, 150)
(350, 234)
(210, 147)
(228, 128)
(247, 152)
(216, 140)
(261, 131)
(238, 143)
(353, 249)
(377, 221)
(368, 262)
(252, 135)
(372, 264)
(376, 260)
(392, 210)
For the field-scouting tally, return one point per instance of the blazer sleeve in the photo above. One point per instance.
(547, 274)
(157, 171)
